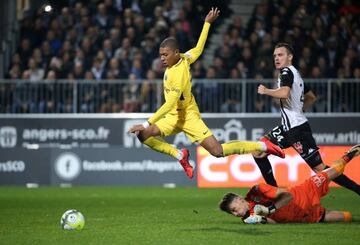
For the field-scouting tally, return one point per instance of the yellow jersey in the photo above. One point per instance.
(177, 81)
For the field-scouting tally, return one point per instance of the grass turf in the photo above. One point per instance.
(155, 216)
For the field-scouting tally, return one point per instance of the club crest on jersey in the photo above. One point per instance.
(318, 180)
(298, 147)
(175, 90)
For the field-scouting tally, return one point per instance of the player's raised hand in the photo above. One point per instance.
(212, 15)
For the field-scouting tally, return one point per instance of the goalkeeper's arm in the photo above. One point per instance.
(283, 197)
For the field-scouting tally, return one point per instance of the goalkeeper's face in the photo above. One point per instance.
(239, 207)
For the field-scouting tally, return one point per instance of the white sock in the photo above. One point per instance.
(263, 146)
(179, 155)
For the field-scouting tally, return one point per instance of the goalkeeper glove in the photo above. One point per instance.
(255, 219)
(262, 210)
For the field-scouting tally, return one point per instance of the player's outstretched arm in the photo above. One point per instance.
(282, 198)
(193, 54)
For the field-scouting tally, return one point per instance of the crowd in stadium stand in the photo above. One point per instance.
(113, 39)
(325, 36)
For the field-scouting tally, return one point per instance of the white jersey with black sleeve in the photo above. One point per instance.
(292, 108)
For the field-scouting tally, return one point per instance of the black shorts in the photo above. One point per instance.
(301, 139)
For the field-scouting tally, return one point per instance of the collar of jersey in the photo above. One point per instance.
(178, 63)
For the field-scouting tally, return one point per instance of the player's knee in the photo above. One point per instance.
(142, 136)
(217, 152)
(146, 133)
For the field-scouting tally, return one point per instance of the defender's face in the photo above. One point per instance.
(282, 58)
(168, 56)
(238, 207)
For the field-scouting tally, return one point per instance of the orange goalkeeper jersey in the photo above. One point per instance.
(305, 206)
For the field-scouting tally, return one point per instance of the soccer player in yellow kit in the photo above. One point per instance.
(180, 112)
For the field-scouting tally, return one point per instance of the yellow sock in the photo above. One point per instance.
(162, 146)
(241, 147)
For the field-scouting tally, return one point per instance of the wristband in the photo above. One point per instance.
(272, 209)
(146, 124)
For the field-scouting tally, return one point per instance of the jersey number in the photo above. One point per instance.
(277, 135)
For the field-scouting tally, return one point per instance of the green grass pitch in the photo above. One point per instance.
(116, 215)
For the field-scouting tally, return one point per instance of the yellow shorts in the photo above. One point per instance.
(190, 123)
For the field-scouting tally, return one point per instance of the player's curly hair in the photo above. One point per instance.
(226, 200)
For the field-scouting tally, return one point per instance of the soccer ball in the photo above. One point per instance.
(72, 220)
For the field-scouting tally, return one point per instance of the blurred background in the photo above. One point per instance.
(74, 75)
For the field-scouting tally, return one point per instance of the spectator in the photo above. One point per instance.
(78, 71)
(198, 70)
(25, 51)
(149, 52)
(209, 95)
(148, 93)
(35, 73)
(243, 70)
(131, 95)
(54, 41)
(233, 94)
(137, 69)
(116, 69)
(97, 70)
(125, 47)
(101, 18)
(47, 99)
(115, 38)
(326, 35)
(237, 25)
(107, 49)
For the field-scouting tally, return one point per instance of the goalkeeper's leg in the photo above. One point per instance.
(337, 216)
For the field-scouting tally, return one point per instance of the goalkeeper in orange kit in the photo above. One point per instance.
(268, 204)
(180, 112)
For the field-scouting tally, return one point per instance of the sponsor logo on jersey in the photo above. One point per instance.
(298, 147)
(318, 180)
